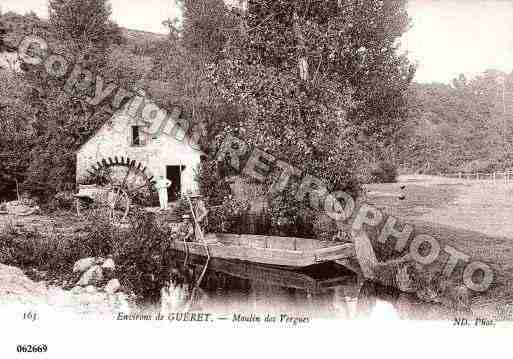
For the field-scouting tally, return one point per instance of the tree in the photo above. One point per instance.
(457, 128)
(84, 29)
(81, 32)
(16, 136)
(319, 78)
(281, 66)
(183, 68)
(186, 58)
(297, 77)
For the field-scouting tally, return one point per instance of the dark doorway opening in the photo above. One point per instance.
(173, 173)
(136, 139)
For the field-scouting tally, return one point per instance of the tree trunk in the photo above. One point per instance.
(302, 61)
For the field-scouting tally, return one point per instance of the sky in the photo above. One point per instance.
(448, 37)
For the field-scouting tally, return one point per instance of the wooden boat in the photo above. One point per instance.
(271, 250)
(313, 279)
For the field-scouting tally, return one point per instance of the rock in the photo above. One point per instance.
(109, 269)
(112, 286)
(93, 276)
(109, 264)
(83, 264)
(97, 298)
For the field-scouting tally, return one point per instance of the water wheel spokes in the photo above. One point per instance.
(83, 206)
(118, 203)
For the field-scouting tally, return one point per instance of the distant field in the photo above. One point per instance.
(484, 207)
(474, 217)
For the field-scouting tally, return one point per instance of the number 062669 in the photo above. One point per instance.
(27, 348)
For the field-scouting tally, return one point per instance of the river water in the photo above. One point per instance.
(321, 291)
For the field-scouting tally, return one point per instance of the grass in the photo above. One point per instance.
(472, 217)
(141, 252)
(418, 199)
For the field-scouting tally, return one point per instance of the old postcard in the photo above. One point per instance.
(174, 173)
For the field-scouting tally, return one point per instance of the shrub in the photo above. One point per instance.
(324, 227)
(62, 200)
(143, 256)
(55, 254)
(142, 252)
(227, 217)
(383, 172)
(145, 198)
(213, 185)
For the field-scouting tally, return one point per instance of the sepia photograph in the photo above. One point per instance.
(335, 167)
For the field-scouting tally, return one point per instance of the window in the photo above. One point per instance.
(137, 136)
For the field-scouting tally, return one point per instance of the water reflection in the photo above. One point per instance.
(322, 291)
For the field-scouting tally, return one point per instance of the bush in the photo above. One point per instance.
(147, 198)
(383, 172)
(288, 215)
(213, 186)
(227, 217)
(142, 252)
(143, 256)
(62, 200)
(324, 227)
(54, 254)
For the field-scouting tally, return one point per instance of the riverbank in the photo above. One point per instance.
(474, 217)
(16, 289)
(45, 247)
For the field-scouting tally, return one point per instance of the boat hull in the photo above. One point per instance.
(278, 251)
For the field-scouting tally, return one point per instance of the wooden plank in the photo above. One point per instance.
(257, 252)
(334, 253)
(257, 255)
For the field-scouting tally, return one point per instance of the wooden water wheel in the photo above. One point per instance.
(117, 183)
(111, 201)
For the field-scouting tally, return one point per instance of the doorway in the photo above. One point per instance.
(173, 173)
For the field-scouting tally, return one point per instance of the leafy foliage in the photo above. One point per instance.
(459, 127)
(383, 172)
(17, 133)
(81, 32)
(293, 78)
(318, 87)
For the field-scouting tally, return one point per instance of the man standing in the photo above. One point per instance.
(162, 184)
